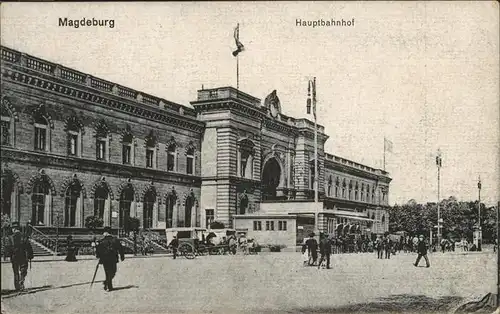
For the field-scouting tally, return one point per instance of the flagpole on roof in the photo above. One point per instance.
(239, 48)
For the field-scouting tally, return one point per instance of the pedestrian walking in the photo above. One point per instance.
(20, 252)
(312, 247)
(108, 251)
(325, 249)
(422, 252)
(380, 248)
(71, 250)
(174, 244)
(387, 247)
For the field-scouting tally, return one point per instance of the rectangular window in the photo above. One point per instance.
(101, 149)
(210, 216)
(72, 145)
(40, 138)
(268, 225)
(149, 158)
(255, 225)
(126, 150)
(282, 225)
(189, 166)
(272, 226)
(5, 132)
(259, 225)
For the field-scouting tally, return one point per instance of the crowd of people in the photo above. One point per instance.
(385, 246)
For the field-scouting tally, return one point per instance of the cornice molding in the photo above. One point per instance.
(96, 97)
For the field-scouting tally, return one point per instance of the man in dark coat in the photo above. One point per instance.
(388, 247)
(20, 252)
(422, 252)
(312, 247)
(174, 244)
(107, 252)
(325, 249)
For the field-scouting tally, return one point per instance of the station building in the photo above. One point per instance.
(74, 145)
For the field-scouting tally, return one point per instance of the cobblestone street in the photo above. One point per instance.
(259, 283)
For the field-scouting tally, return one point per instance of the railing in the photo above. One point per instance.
(73, 76)
(42, 238)
(54, 69)
(102, 85)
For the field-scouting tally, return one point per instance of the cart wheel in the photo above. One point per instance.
(202, 250)
(187, 250)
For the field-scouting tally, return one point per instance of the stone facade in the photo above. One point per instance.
(74, 146)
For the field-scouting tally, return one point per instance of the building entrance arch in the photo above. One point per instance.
(271, 176)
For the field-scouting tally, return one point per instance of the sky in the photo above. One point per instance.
(422, 74)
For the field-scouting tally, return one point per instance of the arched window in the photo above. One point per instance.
(102, 142)
(171, 157)
(343, 189)
(350, 189)
(7, 190)
(74, 137)
(190, 160)
(367, 193)
(126, 199)
(72, 204)
(7, 127)
(245, 158)
(41, 202)
(243, 205)
(356, 191)
(362, 192)
(101, 195)
(41, 133)
(127, 151)
(189, 206)
(337, 187)
(373, 216)
(151, 152)
(373, 194)
(383, 218)
(148, 210)
(170, 203)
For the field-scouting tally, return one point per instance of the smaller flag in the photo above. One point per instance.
(387, 145)
(239, 45)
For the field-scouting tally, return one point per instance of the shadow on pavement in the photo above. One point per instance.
(403, 303)
(124, 288)
(7, 293)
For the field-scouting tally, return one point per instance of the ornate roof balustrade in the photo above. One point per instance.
(76, 77)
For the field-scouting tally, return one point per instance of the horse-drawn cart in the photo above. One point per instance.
(190, 239)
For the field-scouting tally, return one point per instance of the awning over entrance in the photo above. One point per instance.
(356, 218)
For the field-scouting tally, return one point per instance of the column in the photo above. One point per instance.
(48, 211)
(155, 214)
(79, 212)
(107, 212)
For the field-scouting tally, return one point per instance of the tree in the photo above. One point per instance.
(217, 225)
(133, 224)
(93, 222)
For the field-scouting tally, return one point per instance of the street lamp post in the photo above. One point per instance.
(439, 161)
(312, 87)
(480, 235)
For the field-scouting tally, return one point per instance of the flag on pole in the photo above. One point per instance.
(387, 145)
(239, 45)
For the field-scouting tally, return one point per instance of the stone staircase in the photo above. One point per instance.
(40, 249)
